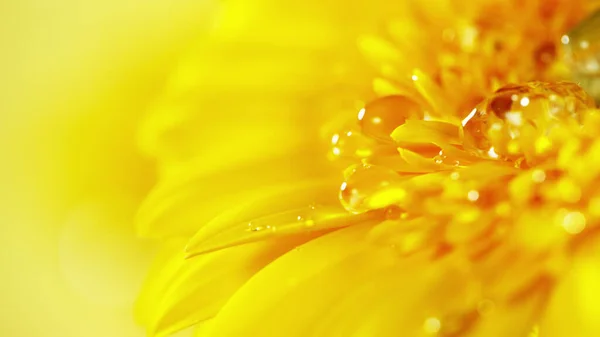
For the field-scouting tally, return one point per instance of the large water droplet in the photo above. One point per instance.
(382, 116)
(362, 182)
(497, 126)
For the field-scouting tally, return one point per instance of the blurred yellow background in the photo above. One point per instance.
(76, 77)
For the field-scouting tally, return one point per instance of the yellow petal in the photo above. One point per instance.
(166, 264)
(197, 289)
(305, 220)
(408, 299)
(426, 132)
(432, 93)
(396, 163)
(573, 309)
(283, 211)
(181, 205)
(417, 160)
(285, 291)
(378, 50)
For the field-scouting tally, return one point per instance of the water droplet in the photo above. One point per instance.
(354, 144)
(574, 222)
(538, 176)
(473, 195)
(441, 158)
(382, 116)
(432, 325)
(495, 127)
(394, 213)
(361, 184)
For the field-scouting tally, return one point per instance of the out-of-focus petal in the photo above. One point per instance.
(283, 211)
(183, 204)
(184, 291)
(573, 309)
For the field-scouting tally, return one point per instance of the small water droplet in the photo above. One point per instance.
(473, 195)
(393, 213)
(354, 144)
(538, 176)
(432, 325)
(363, 181)
(574, 222)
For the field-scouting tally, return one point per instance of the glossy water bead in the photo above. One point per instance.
(362, 182)
(382, 116)
(507, 123)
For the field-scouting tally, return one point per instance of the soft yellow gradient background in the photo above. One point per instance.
(75, 79)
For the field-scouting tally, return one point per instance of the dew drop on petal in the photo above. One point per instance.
(574, 222)
(473, 195)
(538, 176)
(432, 325)
(394, 213)
(382, 116)
(362, 183)
(352, 144)
(497, 127)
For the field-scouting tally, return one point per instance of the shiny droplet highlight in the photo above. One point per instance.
(361, 185)
(382, 116)
(515, 116)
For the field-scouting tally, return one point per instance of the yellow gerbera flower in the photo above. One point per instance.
(467, 206)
